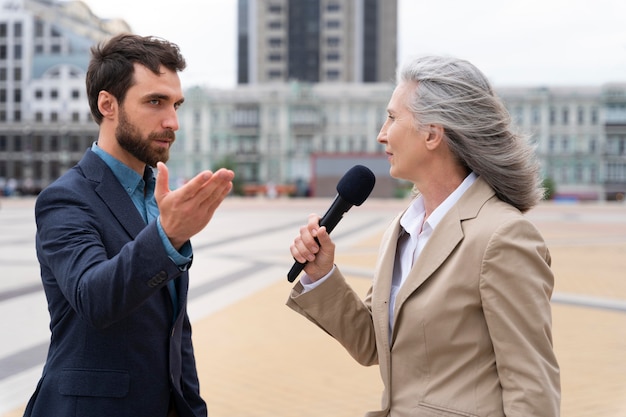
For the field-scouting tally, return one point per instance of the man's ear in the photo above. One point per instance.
(435, 136)
(107, 104)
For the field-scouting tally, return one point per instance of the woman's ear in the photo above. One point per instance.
(107, 104)
(435, 136)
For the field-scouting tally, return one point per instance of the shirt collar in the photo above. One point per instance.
(414, 216)
(129, 179)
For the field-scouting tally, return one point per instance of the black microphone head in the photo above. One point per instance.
(356, 185)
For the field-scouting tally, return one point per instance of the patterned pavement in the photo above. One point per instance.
(257, 358)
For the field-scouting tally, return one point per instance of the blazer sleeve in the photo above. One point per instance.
(336, 308)
(102, 271)
(516, 284)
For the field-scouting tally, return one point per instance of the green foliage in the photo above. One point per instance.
(550, 188)
(228, 162)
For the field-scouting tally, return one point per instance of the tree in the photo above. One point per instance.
(228, 162)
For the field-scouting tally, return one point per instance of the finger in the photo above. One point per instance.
(197, 183)
(322, 236)
(215, 191)
(161, 187)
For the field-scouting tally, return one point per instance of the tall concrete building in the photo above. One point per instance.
(45, 123)
(317, 41)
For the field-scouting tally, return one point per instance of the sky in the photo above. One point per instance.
(515, 43)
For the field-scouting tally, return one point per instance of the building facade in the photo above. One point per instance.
(286, 133)
(579, 134)
(45, 123)
(275, 133)
(316, 41)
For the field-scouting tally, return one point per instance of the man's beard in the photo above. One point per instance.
(130, 139)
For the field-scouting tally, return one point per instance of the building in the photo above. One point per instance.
(272, 132)
(283, 133)
(580, 136)
(298, 135)
(317, 41)
(45, 123)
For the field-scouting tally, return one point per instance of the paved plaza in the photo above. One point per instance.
(257, 358)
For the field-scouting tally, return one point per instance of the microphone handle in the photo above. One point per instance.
(330, 219)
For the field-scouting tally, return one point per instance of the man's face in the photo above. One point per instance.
(147, 118)
(151, 148)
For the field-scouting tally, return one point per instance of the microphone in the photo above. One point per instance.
(352, 190)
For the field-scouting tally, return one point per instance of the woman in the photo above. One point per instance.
(458, 316)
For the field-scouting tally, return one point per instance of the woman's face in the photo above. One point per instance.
(404, 144)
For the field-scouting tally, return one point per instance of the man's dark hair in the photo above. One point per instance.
(111, 66)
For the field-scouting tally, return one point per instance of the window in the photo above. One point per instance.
(54, 94)
(332, 56)
(332, 41)
(39, 28)
(594, 116)
(75, 116)
(17, 29)
(581, 115)
(536, 115)
(276, 24)
(17, 74)
(17, 95)
(565, 144)
(75, 94)
(54, 116)
(333, 24)
(593, 145)
(38, 94)
(275, 42)
(332, 75)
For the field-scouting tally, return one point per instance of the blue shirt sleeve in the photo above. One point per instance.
(181, 258)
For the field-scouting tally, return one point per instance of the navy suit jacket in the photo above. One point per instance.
(117, 347)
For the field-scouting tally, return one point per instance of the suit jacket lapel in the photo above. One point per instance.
(380, 296)
(112, 193)
(444, 240)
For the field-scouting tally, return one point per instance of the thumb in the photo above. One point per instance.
(161, 187)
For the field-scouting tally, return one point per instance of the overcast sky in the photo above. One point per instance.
(515, 43)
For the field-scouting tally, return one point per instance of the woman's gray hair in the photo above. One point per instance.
(455, 94)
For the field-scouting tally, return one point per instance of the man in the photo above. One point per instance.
(113, 246)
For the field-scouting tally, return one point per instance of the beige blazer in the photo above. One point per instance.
(472, 330)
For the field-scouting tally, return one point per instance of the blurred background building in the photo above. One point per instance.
(317, 40)
(314, 83)
(45, 123)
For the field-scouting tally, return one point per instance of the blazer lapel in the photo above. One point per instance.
(444, 240)
(381, 289)
(112, 193)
